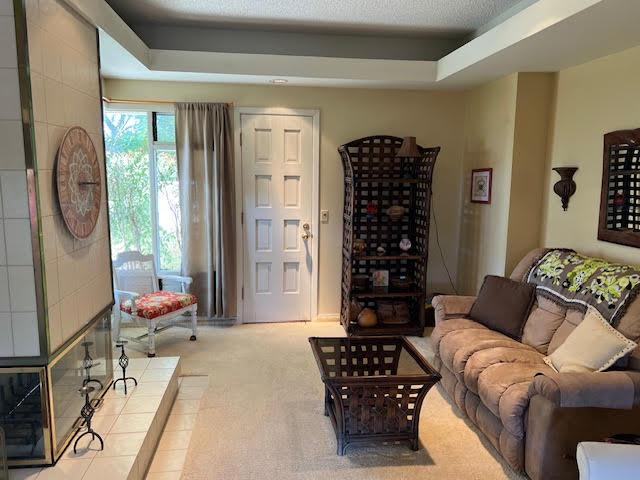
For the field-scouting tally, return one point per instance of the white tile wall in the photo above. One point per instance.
(65, 89)
(25, 330)
(19, 252)
(6, 7)
(15, 202)
(5, 301)
(8, 57)
(12, 151)
(18, 319)
(9, 94)
(6, 335)
(22, 289)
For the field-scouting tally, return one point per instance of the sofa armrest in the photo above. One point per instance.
(617, 389)
(451, 306)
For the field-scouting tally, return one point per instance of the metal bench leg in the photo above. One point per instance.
(194, 323)
(151, 337)
(116, 328)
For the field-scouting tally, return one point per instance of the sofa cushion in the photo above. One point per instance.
(503, 305)
(451, 325)
(629, 324)
(458, 346)
(156, 304)
(504, 390)
(484, 359)
(545, 318)
(571, 320)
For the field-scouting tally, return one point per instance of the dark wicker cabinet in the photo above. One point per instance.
(374, 180)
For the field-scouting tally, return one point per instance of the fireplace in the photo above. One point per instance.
(40, 405)
(55, 329)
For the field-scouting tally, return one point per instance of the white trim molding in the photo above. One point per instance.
(315, 200)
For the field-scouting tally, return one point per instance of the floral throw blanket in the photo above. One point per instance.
(578, 281)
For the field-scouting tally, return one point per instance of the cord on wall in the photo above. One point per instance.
(444, 263)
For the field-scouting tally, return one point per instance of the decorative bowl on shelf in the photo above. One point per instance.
(381, 251)
(396, 212)
(405, 245)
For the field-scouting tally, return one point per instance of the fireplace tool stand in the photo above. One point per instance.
(123, 361)
(86, 413)
(88, 364)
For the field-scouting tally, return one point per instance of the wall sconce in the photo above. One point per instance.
(565, 187)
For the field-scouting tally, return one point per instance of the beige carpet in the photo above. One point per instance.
(262, 416)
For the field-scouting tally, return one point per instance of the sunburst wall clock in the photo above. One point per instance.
(79, 182)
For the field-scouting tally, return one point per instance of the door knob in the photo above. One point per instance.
(306, 234)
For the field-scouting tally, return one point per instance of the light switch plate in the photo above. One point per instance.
(324, 216)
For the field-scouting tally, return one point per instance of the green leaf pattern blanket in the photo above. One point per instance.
(578, 281)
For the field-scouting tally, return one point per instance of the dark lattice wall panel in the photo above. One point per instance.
(623, 196)
(619, 220)
(374, 175)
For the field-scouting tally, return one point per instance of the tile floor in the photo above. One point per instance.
(173, 445)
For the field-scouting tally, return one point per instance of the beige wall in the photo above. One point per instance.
(534, 106)
(488, 143)
(65, 89)
(435, 118)
(506, 130)
(592, 99)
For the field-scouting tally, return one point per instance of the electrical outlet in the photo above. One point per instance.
(324, 216)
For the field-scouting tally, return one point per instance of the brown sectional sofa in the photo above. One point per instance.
(532, 415)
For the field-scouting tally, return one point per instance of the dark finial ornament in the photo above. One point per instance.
(123, 361)
(86, 413)
(87, 364)
(565, 187)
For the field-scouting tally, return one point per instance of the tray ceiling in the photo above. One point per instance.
(411, 17)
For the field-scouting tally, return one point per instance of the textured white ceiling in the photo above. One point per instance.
(372, 16)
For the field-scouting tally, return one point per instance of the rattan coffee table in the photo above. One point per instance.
(374, 387)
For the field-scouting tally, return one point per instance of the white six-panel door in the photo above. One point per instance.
(277, 175)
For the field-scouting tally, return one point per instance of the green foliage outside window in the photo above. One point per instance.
(129, 185)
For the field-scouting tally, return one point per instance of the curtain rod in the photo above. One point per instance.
(145, 102)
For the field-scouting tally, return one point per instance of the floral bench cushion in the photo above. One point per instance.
(156, 304)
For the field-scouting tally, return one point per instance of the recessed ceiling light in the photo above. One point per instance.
(279, 80)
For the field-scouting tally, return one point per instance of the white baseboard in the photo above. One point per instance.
(328, 317)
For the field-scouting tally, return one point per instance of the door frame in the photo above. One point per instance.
(315, 199)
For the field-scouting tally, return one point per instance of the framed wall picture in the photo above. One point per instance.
(481, 185)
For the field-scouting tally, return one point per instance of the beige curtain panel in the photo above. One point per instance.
(204, 147)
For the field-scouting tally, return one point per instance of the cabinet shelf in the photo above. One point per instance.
(408, 181)
(388, 257)
(396, 294)
(414, 328)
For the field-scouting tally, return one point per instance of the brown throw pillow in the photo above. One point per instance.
(503, 305)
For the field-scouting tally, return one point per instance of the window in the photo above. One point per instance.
(142, 178)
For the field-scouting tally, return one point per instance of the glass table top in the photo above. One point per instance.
(342, 357)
